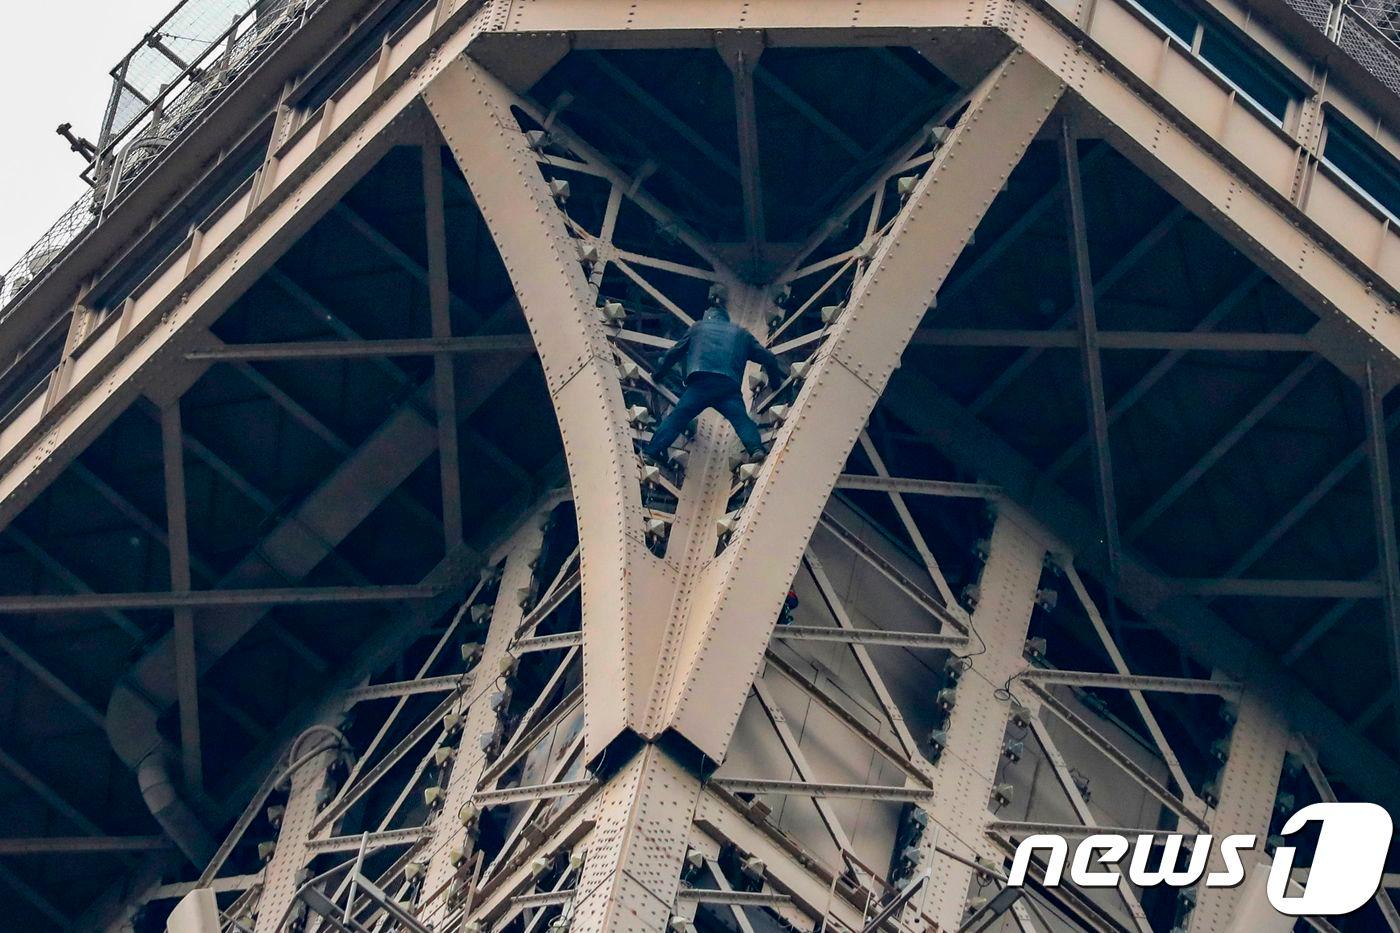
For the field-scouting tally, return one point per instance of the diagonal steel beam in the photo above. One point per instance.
(808, 110)
(859, 355)
(793, 750)
(51, 680)
(416, 270)
(177, 529)
(665, 114)
(130, 511)
(1307, 502)
(1111, 277)
(1012, 234)
(36, 900)
(1120, 664)
(1220, 448)
(1159, 370)
(46, 793)
(69, 578)
(1324, 624)
(864, 661)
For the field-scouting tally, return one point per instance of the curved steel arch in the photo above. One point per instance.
(688, 632)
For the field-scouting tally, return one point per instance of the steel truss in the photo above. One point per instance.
(528, 777)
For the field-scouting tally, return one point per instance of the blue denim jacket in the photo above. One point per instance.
(714, 345)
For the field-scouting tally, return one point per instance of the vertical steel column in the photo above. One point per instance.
(631, 874)
(479, 717)
(444, 365)
(281, 877)
(1248, 789)
(177, 532)
(963, 781)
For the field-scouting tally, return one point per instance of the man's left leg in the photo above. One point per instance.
(732, 407)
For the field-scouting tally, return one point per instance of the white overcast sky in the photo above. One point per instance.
(55, 56)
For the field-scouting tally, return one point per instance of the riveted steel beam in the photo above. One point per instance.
(723, 646)
(965, 440)
(473, 111)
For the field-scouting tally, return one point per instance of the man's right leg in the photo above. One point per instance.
(692, 402)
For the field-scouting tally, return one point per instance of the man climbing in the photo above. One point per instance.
(715, 352)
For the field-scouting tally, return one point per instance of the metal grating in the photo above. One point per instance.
(1316, 12)
(1375, 54)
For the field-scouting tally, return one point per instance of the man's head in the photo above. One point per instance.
(716, 313)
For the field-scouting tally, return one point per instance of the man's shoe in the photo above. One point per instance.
(757, 455)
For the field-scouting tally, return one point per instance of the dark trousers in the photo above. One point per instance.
(702, 391)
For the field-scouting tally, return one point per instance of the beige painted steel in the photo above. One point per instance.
(1173, 138)
(1248, 789)
(478, 716)
(689, 636)
(281, 877)
(963, 781)
(1252, 911)
(674, 677)
(725, 640)
(1166, 109)
(631, 874)
(621, 578)
(301, 181)
(197, 912)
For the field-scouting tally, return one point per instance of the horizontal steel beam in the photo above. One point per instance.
(371, 841)
(1221, 341)
(736, 898)
(199, 599)
(918, 487)
(83, 845)
(867, 636)
(492, 798)
(1283, 589)
(542, 899)
(355, 349)
(1131, 682)
(404, 688)
(548, 642)
(1023, 828)
(816, 789)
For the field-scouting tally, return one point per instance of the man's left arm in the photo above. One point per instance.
(770, 361)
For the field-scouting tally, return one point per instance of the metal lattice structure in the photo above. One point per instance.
(336, 597)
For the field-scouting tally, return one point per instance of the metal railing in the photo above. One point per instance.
(161, 89)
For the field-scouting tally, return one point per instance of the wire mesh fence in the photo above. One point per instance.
(160, 90)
